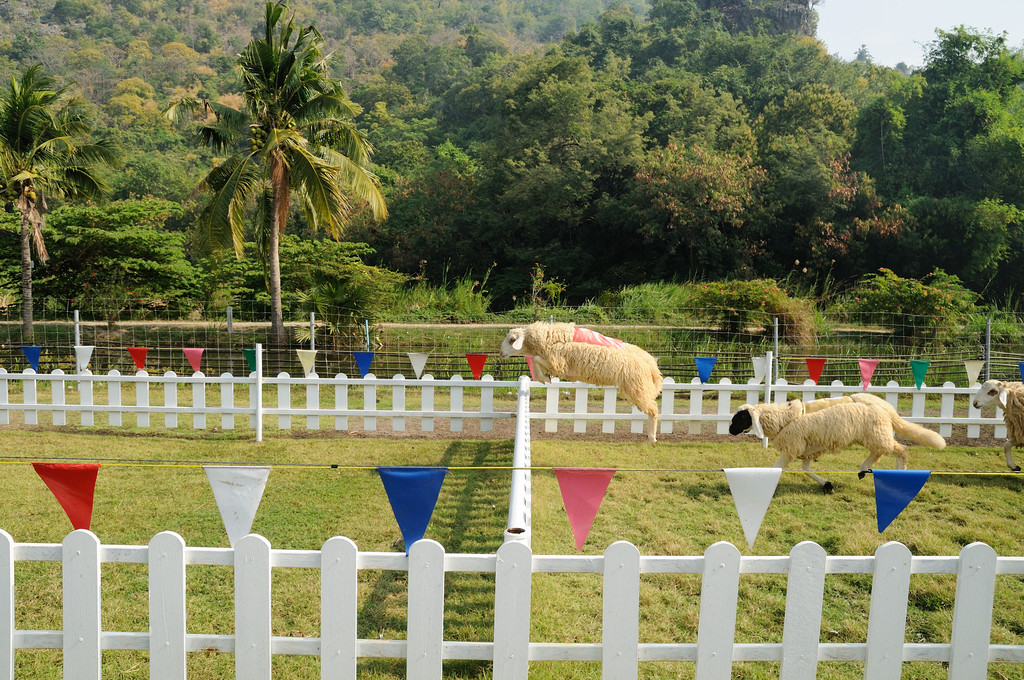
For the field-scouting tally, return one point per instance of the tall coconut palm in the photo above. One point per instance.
(44, 149)
(294, 135)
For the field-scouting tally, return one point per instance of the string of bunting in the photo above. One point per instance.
(412, 491)
(477, 361)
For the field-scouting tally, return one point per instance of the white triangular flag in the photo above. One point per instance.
(418, 361)
(973, 368)
(752, 490)
(83, 353)
(306, 358)
(238, 491)
(758, 368)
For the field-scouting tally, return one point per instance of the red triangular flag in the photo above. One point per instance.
(476, 364)
(814, 366)
(73, 486)
(139, 356)
(194, 355)
(582, 493)
(867, 369)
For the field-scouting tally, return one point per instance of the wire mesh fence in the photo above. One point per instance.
(674, 336)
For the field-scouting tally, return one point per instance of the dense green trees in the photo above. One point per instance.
(692, 139)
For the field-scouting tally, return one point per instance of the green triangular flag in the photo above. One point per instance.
(250, 358)
(919, 367)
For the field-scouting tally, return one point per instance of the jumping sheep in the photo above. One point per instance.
(1011, 398)
(807, 430)
(573, 353)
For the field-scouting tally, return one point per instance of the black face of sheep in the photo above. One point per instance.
(741, 422)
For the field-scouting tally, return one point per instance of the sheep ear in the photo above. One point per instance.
(755, 424)
(517, 343)
(1002, 396)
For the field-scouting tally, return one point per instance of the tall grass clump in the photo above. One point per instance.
(462, 299)
(646, 302)
(738, 305)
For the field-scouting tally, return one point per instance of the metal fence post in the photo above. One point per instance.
(259, 391)
(988, 346)
(230, 319)
(775, 342)
(78, 332)
(312, 330)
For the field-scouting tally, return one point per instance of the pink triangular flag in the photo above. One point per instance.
(194, 355)
(582, 493)
(814, 367)
(476, 364)
(73, 485)
(529, 364)
(752, 491)
(867, 369)
(139, 356)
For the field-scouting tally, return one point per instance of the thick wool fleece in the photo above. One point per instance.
(612, 362)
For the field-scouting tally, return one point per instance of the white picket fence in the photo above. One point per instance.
(145, 400)
(714, 650)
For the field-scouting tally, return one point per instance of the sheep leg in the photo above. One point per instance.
(826, 485)
(1008, 453)
(652, 422)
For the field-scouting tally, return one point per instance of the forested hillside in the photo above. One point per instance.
(609, 144)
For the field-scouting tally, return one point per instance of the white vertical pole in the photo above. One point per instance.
(78, 332)
(80, 553)
(259, 391)
(312, 330)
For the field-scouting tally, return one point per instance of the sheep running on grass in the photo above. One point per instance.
(1010, 396)
(579, 354)
(807, 430)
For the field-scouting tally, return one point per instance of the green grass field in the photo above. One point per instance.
(667, 500)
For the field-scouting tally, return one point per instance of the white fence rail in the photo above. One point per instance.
(621, 651)
(145, 400)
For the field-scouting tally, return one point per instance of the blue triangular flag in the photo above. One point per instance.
(1020, 367)
(894, 489)
(412, 492)
(704, 366)
(31, 353)
(363, 361)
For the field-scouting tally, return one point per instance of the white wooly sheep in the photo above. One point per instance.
(572, 353)
(807, 430)
(1010, 396)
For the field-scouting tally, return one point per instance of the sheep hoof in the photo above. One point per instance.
(860, 475)
(827, 487)
(1016, 468)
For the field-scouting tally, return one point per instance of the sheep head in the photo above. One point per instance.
(513, 342)
(746, 418)
(990, 391)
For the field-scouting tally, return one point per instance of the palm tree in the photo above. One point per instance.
(44, 149)
(294, 135)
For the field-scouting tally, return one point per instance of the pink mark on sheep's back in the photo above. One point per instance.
(594, 338)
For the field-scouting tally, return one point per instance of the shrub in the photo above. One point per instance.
(915, 310)
(737, 305)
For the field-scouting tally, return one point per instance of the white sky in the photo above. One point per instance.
(897, 30)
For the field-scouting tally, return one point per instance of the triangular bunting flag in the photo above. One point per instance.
(759, 369)
(32, 353)
(894, 489)
(919, 368)
(250, 358)
(867, 369)
(1020, 368)
(418, 361)
(814, 367)
(83, 354)
(307, 357)
(363, 361)
(238, 490)
(582, 493)
(476, 364)
(194, 355)
(529, 365)
(704, 367)
(73, 485)
(412, 492)
(752, 491)
(139, 356)
(973, 369)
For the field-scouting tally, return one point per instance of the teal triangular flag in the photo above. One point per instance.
(31, 353)
(704, 366)
(412, 492)
(894, 489)
(919, 367)
(250, 358)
